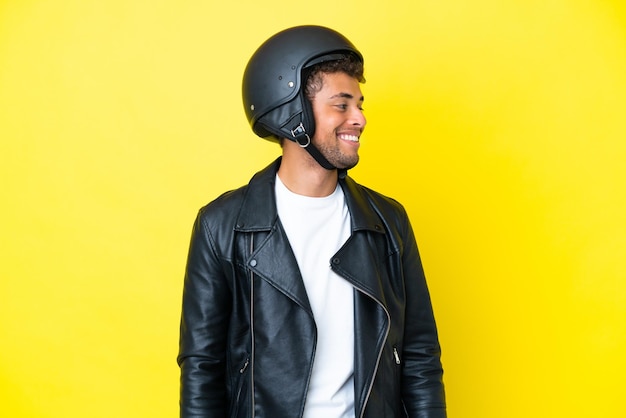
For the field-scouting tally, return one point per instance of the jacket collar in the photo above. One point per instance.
(258, 210)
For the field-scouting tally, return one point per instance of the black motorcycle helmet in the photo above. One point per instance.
(273, 83)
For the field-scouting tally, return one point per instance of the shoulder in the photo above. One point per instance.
(221, 213)
(253, 197)
(226, 202)
(382, 200)
(381, 203)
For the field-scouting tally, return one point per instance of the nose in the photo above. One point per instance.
(358, 118)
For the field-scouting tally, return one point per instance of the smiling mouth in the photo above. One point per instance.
(348, 137)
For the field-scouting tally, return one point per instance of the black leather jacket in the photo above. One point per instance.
(247, 331)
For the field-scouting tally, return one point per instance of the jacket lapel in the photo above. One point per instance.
(272, 257)
(359, 260)
(274, 261)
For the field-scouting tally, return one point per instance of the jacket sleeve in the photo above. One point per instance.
(203, 329)
(422, 375)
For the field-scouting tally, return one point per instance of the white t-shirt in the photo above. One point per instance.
(317, 227)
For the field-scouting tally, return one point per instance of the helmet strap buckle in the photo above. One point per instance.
(304, 140)
(300, 135)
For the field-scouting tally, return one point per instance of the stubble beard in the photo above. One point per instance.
(336, 157)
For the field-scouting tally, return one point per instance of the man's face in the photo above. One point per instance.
(339, 119)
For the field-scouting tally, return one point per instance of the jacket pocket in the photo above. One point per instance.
(396, 356)
(396, 366)
(238, 395)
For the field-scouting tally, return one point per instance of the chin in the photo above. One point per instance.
(347, 165)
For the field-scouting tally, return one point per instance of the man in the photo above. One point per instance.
(304, 291)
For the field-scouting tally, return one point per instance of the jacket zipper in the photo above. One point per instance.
(251, 332)
(380, 352)
(395, 355)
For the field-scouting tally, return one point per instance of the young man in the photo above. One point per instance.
(304, 291)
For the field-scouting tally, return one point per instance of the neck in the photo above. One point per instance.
(301, 174)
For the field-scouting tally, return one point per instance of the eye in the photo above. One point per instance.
(342, 106)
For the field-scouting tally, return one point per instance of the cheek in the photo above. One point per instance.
(324, 125)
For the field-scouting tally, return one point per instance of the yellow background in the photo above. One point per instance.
(499, 124)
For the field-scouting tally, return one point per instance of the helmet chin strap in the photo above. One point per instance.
(302, 138)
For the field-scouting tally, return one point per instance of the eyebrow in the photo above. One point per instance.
(345, 96)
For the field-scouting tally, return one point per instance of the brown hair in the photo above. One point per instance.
(349, 64)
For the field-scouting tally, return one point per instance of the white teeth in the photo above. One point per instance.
(352, 138)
